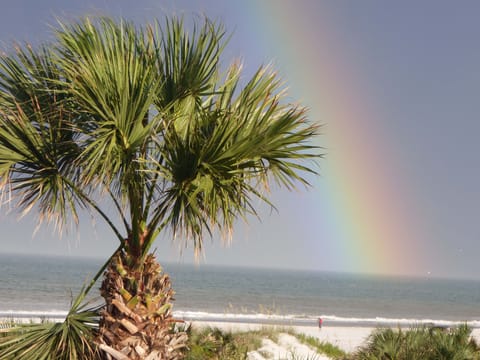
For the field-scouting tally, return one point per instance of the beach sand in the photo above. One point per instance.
(346, 338)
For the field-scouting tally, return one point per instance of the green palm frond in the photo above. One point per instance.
(29, 74)
(71, 339)
(35, 161)
(188, 64)
(114, 82)
(37, 147)
(215, 167)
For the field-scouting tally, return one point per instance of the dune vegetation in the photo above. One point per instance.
(210, 343)
(422, 343)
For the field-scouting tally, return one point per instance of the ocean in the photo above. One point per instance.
(42, 287)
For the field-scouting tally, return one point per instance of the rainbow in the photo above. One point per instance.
(366, 210)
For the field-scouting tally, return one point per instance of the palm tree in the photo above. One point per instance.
(145, 121)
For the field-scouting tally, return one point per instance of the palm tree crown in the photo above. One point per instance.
(146, 118)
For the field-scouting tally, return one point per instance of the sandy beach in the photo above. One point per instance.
(346, 338)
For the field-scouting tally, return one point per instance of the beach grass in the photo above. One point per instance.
(322, 347)
(213, 343)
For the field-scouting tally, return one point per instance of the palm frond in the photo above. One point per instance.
(114, 83)
(37, 147)
(221, 160)
(71, 339)
(188, 64)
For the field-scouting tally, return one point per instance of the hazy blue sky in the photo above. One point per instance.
(397, 87)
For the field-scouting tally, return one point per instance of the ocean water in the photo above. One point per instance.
(43, 287)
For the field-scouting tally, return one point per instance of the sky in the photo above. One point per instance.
(395, 86)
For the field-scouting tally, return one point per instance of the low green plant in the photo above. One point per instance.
(210, 343)
(71, 339)
(421, 343)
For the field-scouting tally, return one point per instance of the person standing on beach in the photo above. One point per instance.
(320, 323)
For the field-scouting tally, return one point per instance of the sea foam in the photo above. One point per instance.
(258, 318)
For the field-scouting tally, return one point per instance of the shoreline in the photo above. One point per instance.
(265, 319)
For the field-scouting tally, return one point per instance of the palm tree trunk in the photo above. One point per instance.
(137, 322)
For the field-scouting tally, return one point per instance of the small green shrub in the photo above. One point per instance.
(214, 344)
(422, 343)
(71, 339)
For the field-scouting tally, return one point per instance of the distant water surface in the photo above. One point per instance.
(44, 285)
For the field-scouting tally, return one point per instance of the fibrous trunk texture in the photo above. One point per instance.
(137, 322)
